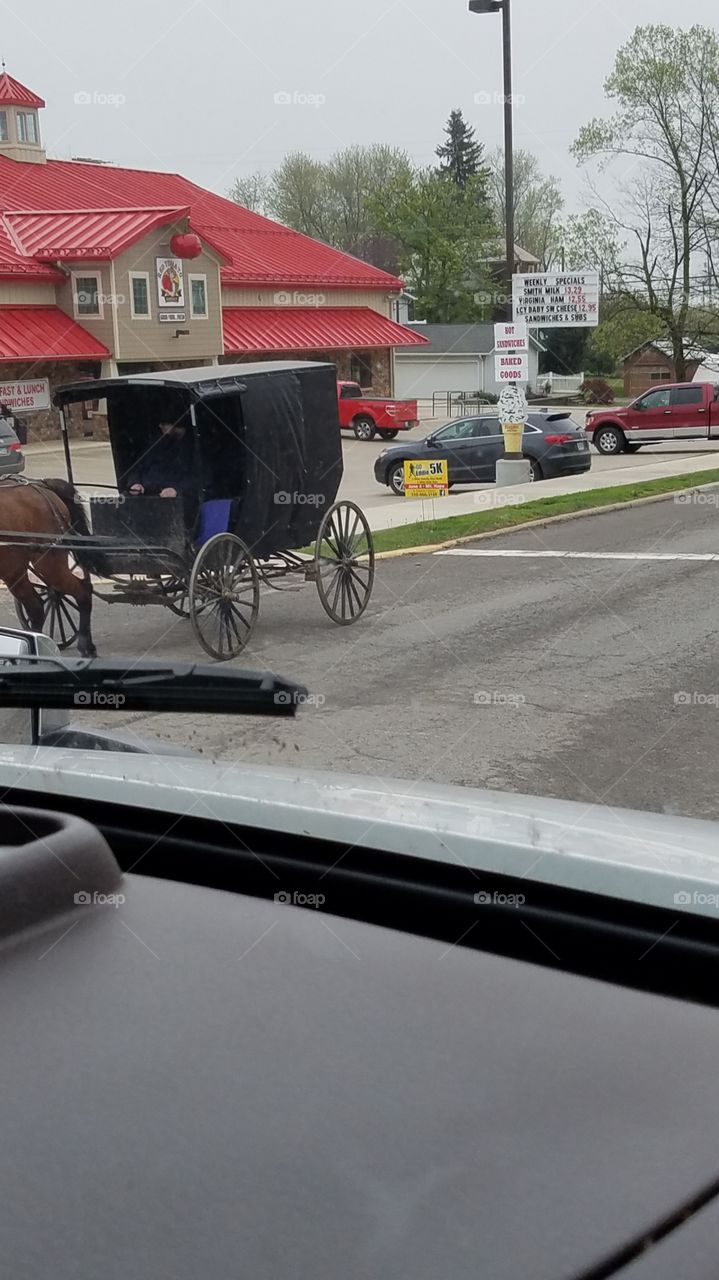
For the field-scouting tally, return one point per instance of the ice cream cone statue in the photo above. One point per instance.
(512, 411)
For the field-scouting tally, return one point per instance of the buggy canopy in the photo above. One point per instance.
(265, 435)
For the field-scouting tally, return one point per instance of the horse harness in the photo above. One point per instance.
(51, 499)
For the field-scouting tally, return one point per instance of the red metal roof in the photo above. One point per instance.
(99, 234)
(45, 333)
(14, 94)
(311, 329)
(258, 251)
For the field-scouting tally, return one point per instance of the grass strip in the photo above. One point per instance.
(511, 517)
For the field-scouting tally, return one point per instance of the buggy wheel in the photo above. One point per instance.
(344, 563)
(224, 596)
(174, 595)
(62, 616)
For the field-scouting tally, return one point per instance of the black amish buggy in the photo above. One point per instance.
(258, 454)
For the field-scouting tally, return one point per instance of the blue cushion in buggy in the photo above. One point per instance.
(214, 518)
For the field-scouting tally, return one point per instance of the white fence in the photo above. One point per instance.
(560, 383)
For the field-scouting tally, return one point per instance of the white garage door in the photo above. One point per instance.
(419, 377)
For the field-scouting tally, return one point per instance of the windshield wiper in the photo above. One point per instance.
(114, 685)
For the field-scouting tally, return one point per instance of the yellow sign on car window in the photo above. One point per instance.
(426, 479)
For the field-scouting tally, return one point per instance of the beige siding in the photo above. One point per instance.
(377, 299)
(31, 295)
(150, 339)
(99, 327)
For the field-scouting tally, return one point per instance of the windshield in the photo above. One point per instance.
(457, 619)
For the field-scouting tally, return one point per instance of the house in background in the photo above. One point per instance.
(107, 270)
(651, 363)
(457, 358)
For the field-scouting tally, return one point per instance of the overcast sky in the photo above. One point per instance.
(190, 85)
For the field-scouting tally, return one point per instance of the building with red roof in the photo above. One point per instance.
(107, 270)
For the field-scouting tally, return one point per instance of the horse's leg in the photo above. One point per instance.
(54, 570)
(13, 571)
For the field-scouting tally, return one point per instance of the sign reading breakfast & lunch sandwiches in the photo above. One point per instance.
(29, 397)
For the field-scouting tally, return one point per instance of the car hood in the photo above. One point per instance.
(643, 857)
(412, 446)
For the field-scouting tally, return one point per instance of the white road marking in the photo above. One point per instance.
(581, 555)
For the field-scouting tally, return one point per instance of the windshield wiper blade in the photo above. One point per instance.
(110, 684)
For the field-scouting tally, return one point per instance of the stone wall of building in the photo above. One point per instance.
(45, 424)
(380, 359)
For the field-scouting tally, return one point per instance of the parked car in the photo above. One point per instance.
(553, 443)
(674, 411)
(12, 458)
(369, 416)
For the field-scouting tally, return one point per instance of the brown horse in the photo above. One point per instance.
(44, 507)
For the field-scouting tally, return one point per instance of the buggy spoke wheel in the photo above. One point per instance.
(224, 596)
(344, 560)
(174, 595)
(61, 616)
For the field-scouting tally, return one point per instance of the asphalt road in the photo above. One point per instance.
(540, 674)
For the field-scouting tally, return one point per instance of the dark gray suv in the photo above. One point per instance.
(12, 458)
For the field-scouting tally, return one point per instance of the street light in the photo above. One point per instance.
(494, 6)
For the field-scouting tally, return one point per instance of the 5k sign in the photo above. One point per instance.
(511, 353)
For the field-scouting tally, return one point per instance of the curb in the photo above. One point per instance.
(542, 523)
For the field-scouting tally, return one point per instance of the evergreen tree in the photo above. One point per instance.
(461, 155)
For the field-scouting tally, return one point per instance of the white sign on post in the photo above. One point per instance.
(511, 337)
(30, 396)
(511, 368)
(554, 301)
(511, 353)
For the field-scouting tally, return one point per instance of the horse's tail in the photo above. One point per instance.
(67, 494)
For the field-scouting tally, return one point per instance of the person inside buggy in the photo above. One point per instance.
(158, 452)
(164, 469)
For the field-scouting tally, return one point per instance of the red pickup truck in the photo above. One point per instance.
(369, 416)
(675, 411)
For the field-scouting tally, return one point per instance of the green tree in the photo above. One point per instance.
(445, 233)
(666, 86)
(460, 156)
(331, 200)
(590, 242)
(538, 204)
(299, 195)
(251, 191)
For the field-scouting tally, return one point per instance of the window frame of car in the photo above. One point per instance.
(641, 403)
(441, 435)
(695, 394)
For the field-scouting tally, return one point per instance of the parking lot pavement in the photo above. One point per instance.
(92, 464)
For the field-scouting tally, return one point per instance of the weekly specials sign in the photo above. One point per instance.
(553, 301)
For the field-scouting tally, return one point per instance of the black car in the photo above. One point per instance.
(553, 443)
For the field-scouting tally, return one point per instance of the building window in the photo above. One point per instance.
(361, 368)
(27, 126)
(87, 295)
(3, 126)
(661, 375)
(140, 295)
(198, 297)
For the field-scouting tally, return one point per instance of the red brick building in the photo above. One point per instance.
(96, 275)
